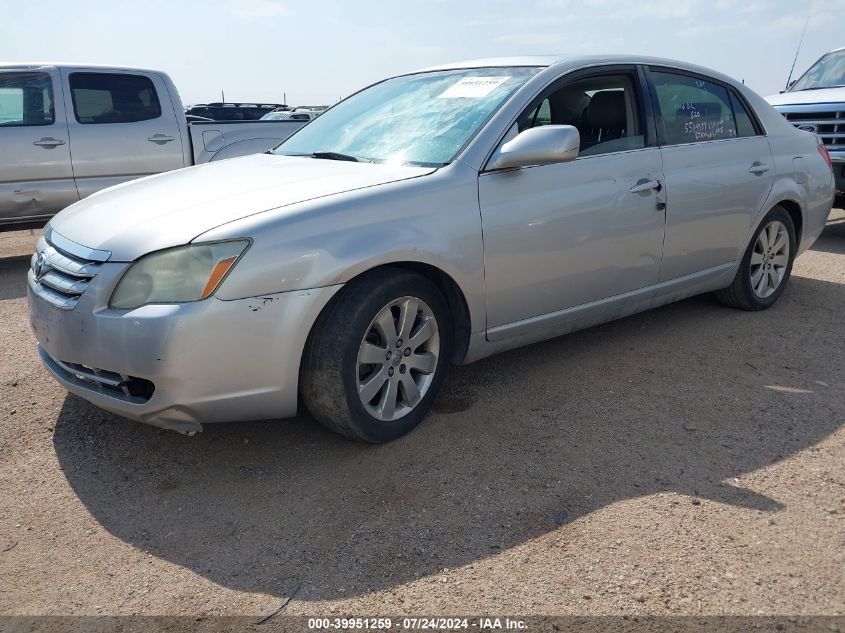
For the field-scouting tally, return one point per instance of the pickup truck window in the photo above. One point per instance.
(828, 72)
(113, 98)
(26, 99)
(693, 109)
(421, 119)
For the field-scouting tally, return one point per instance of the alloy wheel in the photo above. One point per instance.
(769, 259)
(397, 358)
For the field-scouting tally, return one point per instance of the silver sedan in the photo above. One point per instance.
(433, 218)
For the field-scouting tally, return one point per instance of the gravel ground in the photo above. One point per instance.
(688, 460)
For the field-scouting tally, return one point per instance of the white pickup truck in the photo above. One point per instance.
(68, 131)
(816, 103)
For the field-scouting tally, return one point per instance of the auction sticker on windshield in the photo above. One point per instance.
(473, 87)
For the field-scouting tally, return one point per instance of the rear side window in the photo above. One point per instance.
(744, 123)
(693, 109)
(113, 98)
(26, 99)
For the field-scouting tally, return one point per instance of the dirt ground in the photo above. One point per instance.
(688, 460)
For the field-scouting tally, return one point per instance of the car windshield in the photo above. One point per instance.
(423, 119)
(828, 72)
(273, 116)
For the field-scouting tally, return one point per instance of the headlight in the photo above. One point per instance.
(177, 275)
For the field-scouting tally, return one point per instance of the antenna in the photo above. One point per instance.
(800, 42)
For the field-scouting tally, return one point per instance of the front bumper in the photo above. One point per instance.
(838, 159)
(209, 361)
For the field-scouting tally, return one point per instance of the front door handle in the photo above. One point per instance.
(758, 168)
(48, 142)
(646, 185)
(160, 139)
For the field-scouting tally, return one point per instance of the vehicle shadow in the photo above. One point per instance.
(681, 399)
(13, 276)
(832, 240)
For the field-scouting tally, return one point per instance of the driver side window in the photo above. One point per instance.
(604, 108)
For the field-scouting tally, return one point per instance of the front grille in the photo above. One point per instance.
(62, 270)
(826, 120)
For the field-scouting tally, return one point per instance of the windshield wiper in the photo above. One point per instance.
(336, 156)
(822, 87)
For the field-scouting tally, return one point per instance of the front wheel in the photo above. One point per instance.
(377, 356)
(766, 266)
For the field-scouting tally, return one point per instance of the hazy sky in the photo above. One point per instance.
(316, 51)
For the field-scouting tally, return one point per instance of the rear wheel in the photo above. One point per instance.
(766, 266)
(377, 356)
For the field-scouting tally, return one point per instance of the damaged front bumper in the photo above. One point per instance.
(178, 366)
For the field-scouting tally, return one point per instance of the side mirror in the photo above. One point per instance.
(544, 145)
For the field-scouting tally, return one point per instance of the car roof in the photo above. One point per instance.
(565, 62)
(487, 62)
(35, 65)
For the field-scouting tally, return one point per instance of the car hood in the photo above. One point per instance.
(826, 95)
(171, 209)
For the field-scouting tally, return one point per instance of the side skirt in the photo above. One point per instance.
(539, 328)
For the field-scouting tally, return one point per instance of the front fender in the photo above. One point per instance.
(433, 220)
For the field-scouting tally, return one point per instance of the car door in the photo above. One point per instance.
(36, 179)
(718, 170)
(564, 235)
(122, 126)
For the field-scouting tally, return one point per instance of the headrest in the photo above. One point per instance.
(607, 110)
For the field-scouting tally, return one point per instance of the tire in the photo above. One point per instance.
(760, 282)
(354, 328)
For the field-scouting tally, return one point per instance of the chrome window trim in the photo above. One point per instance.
(587, 157)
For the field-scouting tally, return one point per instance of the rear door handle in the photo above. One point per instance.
(160, 139)
(758, 168)
(48, 142)
(646, 185)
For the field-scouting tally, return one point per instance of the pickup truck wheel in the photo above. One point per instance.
(377, 356)
(765, 268)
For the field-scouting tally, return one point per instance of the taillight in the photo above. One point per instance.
(826, 155)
